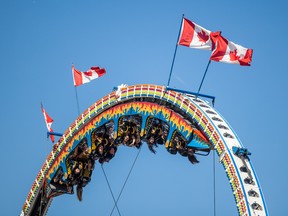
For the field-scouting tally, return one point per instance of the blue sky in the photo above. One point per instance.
(135, 41)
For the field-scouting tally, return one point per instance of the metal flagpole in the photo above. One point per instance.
(204, 76)
(77, 101)
(175, 51)
(76, 93)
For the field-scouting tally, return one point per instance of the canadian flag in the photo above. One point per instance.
(48, 121)
(229, 52)
(194, 36)
(80, 78)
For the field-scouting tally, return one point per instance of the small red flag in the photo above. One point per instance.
(48, 121)
(80, 78)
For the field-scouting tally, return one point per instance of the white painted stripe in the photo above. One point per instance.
(162, 92)
(95, 109)
(42, 173)
(47, 163)
(37, 182)
(27, 203)
(182, 104)
(175, 98)
(32, 192)
(221, 157)
(148, 90)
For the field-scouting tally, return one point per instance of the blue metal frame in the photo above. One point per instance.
(193, 93)
(54, 133)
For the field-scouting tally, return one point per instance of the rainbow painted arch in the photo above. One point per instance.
(197, 123)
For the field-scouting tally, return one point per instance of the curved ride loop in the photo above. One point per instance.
(189, 118)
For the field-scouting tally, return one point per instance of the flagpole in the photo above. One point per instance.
(77, 101)
(76, 93)
(175, 51)
(204, 76)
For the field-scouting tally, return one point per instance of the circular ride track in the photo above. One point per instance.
(185, 124)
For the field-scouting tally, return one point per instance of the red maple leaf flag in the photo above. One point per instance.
(80, 78)
(194, 36)
(229, 52)
(48, 121)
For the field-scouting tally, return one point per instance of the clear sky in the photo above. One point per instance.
(135, 41)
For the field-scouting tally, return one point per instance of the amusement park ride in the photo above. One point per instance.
(181, 121)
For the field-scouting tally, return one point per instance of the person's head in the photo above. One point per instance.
(138, 139)
(112, 150)
(90, 164)
(190, 151)
(56, 178)
(165, 133)
(85, 149)
(77, 170)
(96, 136)
(126, 138)
(100, 148)
(176, 139)
(151, 140)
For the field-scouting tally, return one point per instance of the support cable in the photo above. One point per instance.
(110, 189)
(115, 202)
(115, 205)
(214, 184)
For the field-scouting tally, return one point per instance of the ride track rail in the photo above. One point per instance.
(180, 111)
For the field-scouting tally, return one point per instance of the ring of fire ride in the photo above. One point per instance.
(182, 122)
